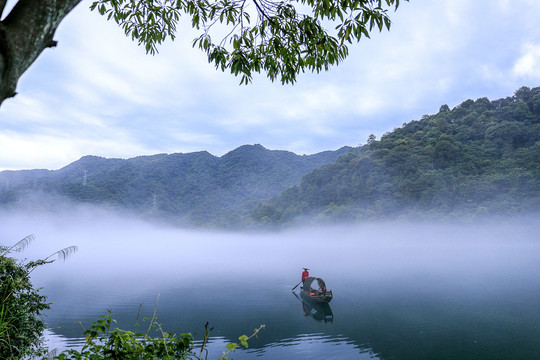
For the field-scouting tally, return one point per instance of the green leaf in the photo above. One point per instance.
(243, 340)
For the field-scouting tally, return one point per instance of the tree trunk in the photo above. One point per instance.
(24, 33)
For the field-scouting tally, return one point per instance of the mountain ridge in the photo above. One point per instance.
(193, 188)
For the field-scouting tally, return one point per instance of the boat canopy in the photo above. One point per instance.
(310, 280)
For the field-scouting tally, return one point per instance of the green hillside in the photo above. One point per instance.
(480, 158)
(195, 188)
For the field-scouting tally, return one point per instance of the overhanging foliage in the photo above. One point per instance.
(279, 38)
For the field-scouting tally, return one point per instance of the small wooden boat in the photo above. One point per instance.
(318, 294)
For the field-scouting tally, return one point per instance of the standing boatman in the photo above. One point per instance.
(305, 275)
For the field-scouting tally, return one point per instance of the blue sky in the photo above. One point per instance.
(98, 93)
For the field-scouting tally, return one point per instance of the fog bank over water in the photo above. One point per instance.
(109, 242)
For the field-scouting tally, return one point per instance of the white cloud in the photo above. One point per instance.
(56, 151)
(193, 139)
(312, 103)
(31, 150)
(26, 110)
(528, 64)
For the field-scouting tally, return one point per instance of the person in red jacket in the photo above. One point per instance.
(305, 275)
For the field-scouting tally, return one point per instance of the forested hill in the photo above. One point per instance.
(480, 158)
(196, 188)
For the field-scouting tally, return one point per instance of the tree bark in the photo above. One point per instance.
(24, 33)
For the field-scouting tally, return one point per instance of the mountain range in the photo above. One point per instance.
(481, 158)
(195, 188)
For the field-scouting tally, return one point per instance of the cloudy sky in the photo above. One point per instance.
(98, 93)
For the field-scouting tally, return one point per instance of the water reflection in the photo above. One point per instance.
(318, 311)
(304, 346)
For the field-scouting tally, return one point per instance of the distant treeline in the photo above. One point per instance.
(480, 158)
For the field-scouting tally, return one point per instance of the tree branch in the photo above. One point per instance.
(25, 32)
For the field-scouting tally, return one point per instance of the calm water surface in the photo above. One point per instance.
(401, 291)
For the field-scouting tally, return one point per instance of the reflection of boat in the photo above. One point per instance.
(317, 295)
(318, 311)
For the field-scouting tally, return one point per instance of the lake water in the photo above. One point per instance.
(401, 290)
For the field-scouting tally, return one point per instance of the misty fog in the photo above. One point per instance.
(123, 261)
(113, 247)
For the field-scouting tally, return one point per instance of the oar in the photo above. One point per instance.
(297, 285)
